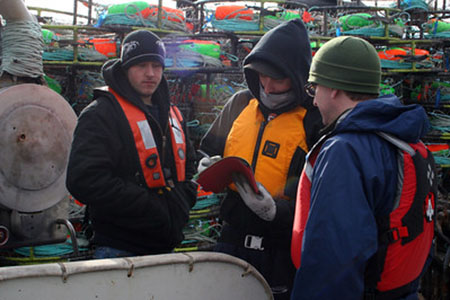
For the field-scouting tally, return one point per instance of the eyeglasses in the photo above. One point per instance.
(310, 89)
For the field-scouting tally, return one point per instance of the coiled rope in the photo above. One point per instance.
(18, 60)
(442, 157)
(439, 121)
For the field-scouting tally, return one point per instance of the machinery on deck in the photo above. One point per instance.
(36, 127)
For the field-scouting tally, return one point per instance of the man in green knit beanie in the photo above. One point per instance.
(363, 228)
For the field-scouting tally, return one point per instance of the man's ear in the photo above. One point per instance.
(334, 93)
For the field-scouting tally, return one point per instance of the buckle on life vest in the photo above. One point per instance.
(397, 233)
(151, 161)
(253, 242)
(429, 211)
(369, 295)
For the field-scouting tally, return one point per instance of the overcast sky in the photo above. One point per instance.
(67, 5)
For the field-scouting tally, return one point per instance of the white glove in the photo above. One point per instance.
(205, 162)
(261, 204)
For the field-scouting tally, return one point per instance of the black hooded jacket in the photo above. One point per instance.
(286, 47)
(104, 172)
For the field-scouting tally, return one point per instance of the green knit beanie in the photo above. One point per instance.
(347, 63)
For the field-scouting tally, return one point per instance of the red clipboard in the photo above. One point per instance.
(217, 177)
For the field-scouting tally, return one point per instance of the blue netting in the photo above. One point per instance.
(370, 31)
(412, 4)
(392, 64)
(84, 54)
(235, 24)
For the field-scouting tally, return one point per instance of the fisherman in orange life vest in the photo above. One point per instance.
(131, 161)
(271, 125)
(364, 218)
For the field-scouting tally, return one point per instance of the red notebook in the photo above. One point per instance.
(217, 177)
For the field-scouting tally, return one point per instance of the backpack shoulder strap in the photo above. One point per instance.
(397, 142)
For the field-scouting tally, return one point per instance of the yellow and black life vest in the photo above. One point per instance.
(146, 145)
(268, 145)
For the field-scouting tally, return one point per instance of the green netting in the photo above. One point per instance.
(284, 15)
(435, 26)
(354, 21)
(190, 59)
(316, 44)
(386, 89)
(53, 84)
(49, 36)
(209, 49)
(129, 7)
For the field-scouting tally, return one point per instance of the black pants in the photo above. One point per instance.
(273, 263)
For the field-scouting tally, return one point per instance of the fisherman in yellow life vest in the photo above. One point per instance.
(131, 161)
(271, 125)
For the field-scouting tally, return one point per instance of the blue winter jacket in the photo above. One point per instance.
(354, 179)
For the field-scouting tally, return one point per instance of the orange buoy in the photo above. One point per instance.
(171, 14)
(233, 11)
(105, 46)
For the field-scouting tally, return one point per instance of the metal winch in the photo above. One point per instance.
(36, 127)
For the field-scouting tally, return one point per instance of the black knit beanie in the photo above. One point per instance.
(142, 45)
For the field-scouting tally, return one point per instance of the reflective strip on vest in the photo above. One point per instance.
(178, 142)
(147, 135)
(146, 145)
(308, 171)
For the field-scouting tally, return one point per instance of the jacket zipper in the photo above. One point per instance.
(163, 147)
(164, 144)
(169, 181)
(258, 144)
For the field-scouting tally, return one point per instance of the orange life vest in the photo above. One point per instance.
(146, 145)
